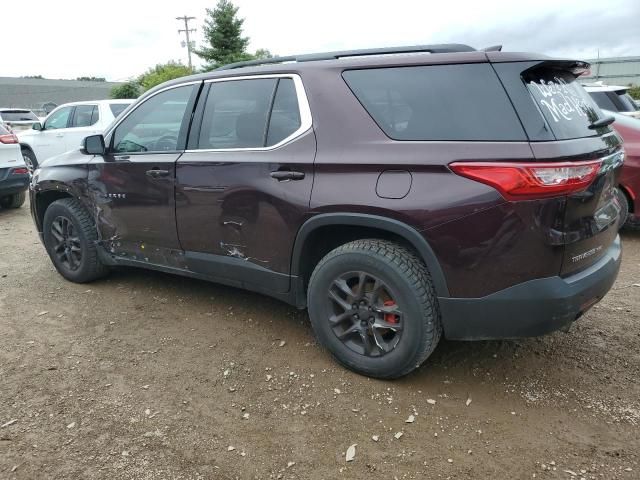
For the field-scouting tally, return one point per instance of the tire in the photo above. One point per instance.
(29, 159)
(13, 201)
(68, 217)
(628, 221)
(408, 290)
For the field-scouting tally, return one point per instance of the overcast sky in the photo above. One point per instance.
(118, 39)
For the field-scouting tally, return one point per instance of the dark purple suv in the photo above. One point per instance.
(398, 194)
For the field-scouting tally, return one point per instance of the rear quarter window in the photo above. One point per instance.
(440, 102)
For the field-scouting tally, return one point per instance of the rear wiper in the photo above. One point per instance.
(603, 122)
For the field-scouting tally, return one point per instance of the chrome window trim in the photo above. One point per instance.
(303, 109)
(136, 105)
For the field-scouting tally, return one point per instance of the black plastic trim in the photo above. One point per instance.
(403, 230)
(532, 308)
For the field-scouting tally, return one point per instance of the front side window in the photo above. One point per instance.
(155, 125)
(85, 116)
(58, 119)
(253, 113)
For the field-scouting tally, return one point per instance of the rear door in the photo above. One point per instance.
(243, 186)
(559, 116)
(83, 123)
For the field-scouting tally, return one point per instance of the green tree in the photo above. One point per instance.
(223, 37)
(131, 89)
(162, 73)
(634, 92)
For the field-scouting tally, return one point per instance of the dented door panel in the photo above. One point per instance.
(135, 210)
(228, 203)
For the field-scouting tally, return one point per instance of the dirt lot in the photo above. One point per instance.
(149, 376)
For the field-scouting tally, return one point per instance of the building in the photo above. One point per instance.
(615, 71)
(42, 95)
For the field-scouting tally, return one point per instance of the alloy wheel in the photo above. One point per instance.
(365, 316)
(67, 247)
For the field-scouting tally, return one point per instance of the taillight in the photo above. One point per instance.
(9, 138)
(20, 171)
(523, 181)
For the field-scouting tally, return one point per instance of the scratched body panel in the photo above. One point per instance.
(227, 203)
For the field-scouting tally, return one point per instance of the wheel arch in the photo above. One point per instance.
(311, 242)
(43, 199)
(631, 198)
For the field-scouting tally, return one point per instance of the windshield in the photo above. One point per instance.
(18, 116)
(567, 107)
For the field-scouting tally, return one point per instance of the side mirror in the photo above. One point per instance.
(93, 145)
(37, 126)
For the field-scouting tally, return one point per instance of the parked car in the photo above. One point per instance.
(14, 176)
(613, 98)
(629, 130)
(17, 118)
(398, 196)
(65, 128)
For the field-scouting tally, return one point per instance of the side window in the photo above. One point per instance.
(236, 114)
(83, 116)
(58, 119)
(95, 116)
(441, 102)
(155, 125)
(285, 114)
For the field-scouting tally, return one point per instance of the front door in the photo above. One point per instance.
(244, 185)
(51, 141)
(134, 182)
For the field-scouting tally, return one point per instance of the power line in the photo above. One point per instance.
(187, 31)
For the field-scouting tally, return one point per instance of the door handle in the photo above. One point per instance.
(59, 135)
(286, 175)
(157, 173)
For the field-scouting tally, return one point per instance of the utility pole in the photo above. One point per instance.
(187, 31)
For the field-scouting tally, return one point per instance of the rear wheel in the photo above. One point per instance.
(373, 306)
(628, 221)
(70, 238)
(13, 201)
(29, 159)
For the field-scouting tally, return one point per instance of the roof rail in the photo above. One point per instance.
(310, 57)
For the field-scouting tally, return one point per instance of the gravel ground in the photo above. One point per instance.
(149, 376)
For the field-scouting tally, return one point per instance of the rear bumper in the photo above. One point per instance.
(531, 308)
(13, 184)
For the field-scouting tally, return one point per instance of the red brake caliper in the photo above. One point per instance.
(390, 317)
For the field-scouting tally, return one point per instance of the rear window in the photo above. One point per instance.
(18, 116)
(565, 105)
(628, 105)
(604, 101)
(117, 108)
(439, 102)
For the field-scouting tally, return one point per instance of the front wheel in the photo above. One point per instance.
(70, 238)
(373, 306)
